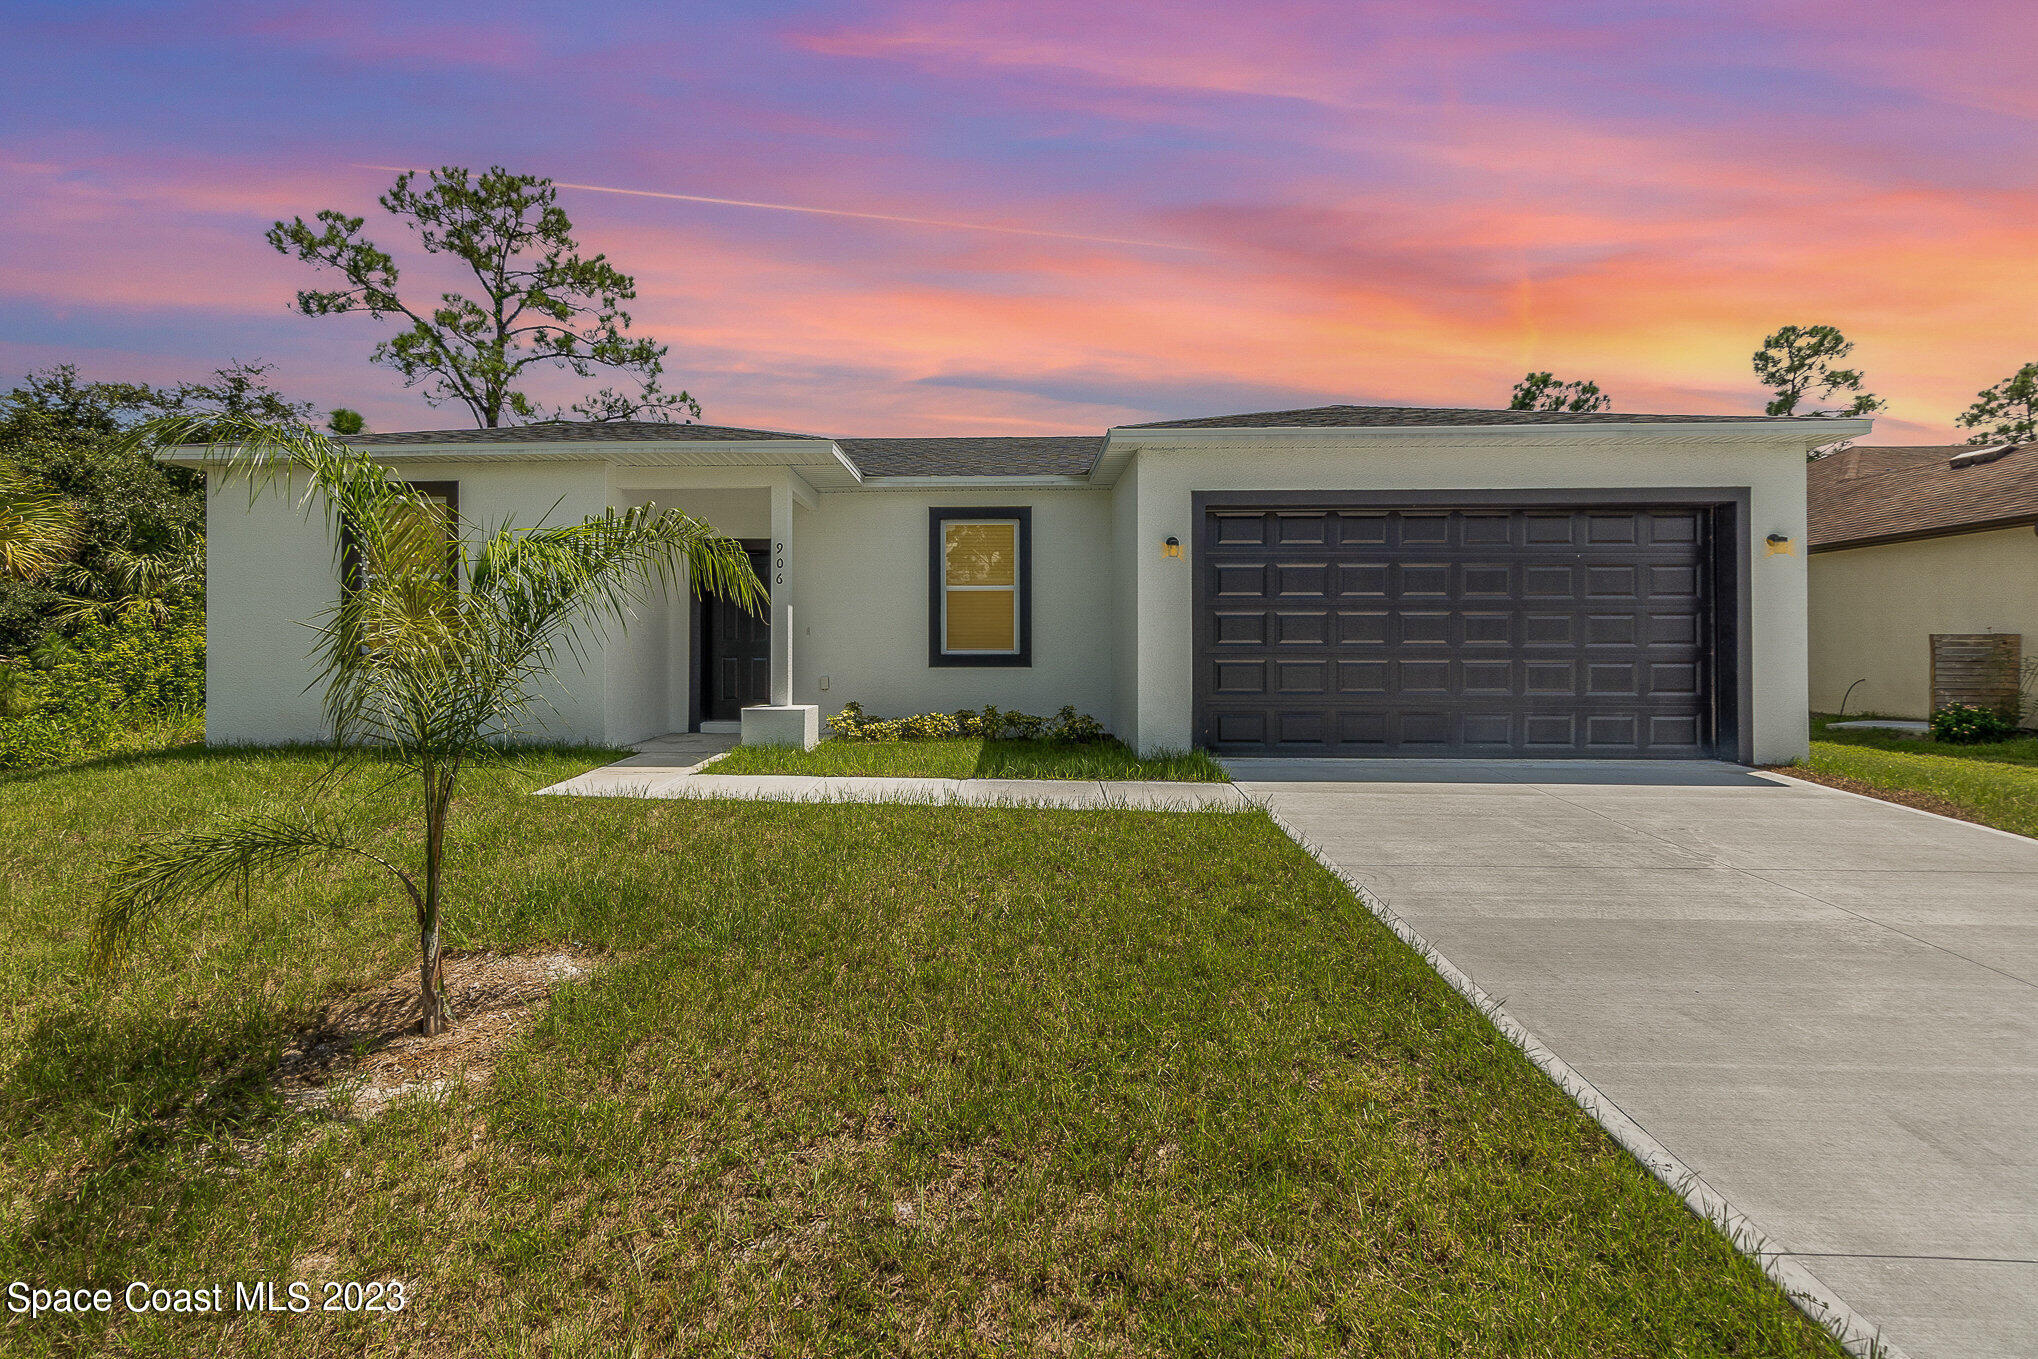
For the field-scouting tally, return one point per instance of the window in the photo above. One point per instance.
(979, 608)
(442, 496)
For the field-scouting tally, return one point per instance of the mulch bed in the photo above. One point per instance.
(366, 1047)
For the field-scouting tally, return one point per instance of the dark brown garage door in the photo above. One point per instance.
(1476, 631)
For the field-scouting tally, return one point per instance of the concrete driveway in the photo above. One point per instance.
(1825, 1005)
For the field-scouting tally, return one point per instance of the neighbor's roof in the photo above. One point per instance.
(1886, 494)
(986, 456)
(1337, 417)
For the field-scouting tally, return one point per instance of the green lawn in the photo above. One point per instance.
(857, 1080)
(973, 758)
(1996, 784)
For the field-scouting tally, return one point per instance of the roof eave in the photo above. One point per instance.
(1122, 441)
(2025, 519)
(824, 455)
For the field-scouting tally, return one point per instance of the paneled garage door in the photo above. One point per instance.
(1464, 632)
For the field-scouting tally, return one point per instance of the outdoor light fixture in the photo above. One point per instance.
(1779, 546)
(1172, 548)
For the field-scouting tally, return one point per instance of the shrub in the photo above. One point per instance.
(73, 695)
(1077, 728)
(988, 723)
(1965, 724)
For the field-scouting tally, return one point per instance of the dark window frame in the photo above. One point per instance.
(350, 550)
(938, 518)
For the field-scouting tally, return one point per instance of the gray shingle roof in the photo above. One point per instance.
(1891, 492)
(573, 431)
(1333, 417)
(987, 456)
(1016, 455)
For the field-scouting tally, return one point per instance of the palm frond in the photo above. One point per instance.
(39, 529)
(160, 875)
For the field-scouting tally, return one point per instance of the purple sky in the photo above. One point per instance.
(1202, 207)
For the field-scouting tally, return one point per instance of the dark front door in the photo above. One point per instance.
(1485, 630)
(735, 652)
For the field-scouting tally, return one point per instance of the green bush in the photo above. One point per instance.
(1965, 724)
(73, 695)
(989, 723)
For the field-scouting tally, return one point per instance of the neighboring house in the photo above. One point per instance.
(1909, 542)
(1346, 580)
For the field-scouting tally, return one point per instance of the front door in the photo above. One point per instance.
(735, 652)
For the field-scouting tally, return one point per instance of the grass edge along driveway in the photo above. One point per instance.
(1995, 783)
(858, 1079)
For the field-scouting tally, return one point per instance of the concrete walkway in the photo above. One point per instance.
(1826, 1006)
(677, 766)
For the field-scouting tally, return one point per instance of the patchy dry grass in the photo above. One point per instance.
(855, 1080)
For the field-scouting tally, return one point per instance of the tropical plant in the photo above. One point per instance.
(1542, 392)
(38, 529)
(2006, 413)
(542, 303)
(65, 433)
(431, 662)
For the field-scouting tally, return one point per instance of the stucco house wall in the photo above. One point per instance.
(270, 568)
(860, 604)
(1315, 461)
(1874, 609)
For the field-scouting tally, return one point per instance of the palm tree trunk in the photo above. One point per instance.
(435, 1019)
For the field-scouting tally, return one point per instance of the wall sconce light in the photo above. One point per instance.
(1779, 546)
(1172, 548)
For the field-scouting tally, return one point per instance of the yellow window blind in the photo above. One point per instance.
(980, 566)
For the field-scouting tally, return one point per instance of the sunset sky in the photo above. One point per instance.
(1120, 211)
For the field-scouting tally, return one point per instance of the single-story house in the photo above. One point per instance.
(1337, 581)
(1909, 543)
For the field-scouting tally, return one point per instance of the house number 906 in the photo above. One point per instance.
(778, 563)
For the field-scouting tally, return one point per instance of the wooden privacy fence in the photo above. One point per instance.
(1979, 668)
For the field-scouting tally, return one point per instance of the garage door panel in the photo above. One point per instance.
(1239, 627)
(1240, 676)
(1362, 627)
(1302, 679)
(1302, 627)
(1366, 678)
(1302, 580)
(1310, 530)
(1487, 629)
(1479, 632)
(1680, 530)
(1486, 580)
(1239, 530)
(1488, 530)
(1603, 680)
(1239, 580)
(1423, 628)
(1487, 679)
(1423, 678)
